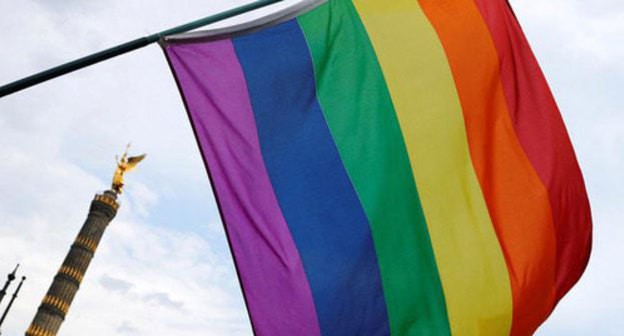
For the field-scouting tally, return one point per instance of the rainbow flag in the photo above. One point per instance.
(387, 167)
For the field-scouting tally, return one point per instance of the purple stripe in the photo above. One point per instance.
(274, 283)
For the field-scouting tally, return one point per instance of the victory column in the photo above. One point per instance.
(56, 302)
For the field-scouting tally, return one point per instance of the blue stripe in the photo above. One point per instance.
(320, 205)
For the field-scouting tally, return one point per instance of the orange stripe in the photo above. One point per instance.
(517, 200)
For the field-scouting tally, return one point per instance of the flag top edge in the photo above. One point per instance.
(265, 21)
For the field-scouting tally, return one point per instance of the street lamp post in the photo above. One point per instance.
(8, 308)
(10, 278)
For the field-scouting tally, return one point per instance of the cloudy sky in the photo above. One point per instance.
(163, 267)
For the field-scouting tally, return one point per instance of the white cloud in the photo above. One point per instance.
(56, 150)
(589, 31)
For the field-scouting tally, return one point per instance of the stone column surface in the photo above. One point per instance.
(56, 302)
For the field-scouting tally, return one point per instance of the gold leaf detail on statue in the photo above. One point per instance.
(124, 165)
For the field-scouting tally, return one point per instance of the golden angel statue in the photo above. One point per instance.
(124, 165)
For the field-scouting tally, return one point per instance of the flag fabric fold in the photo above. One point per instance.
(387, 167)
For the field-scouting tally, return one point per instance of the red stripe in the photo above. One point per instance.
(543, 136)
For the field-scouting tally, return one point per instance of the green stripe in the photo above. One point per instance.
(359, 111)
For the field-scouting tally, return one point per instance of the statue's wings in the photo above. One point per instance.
(133, 161)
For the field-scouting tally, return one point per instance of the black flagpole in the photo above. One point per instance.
(10, 278)
(6, 311)
(126, 47)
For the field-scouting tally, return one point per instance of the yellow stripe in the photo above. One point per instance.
(470, 261)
